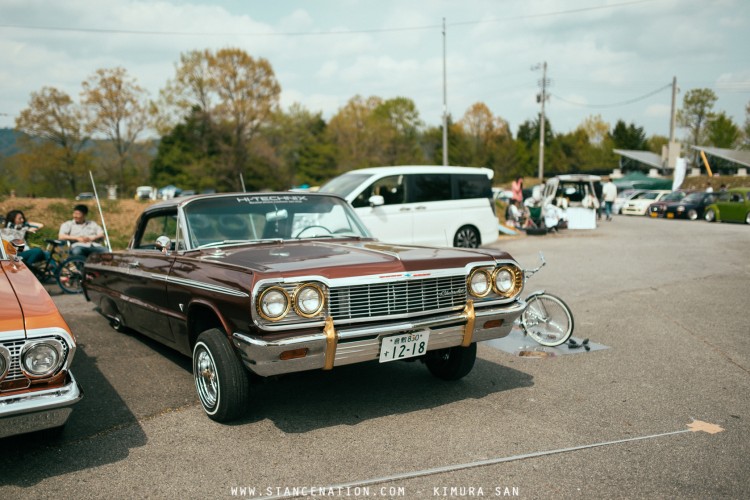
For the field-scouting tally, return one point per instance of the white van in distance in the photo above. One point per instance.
(422, 205)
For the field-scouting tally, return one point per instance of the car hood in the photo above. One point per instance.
(24, 303)
(336, 258)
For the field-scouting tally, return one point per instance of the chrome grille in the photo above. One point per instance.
(14, 372)
(15, 346)
(399, 297)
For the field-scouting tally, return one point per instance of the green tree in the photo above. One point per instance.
(696, 112)
(300, 142)
(629, 137)
(117, 108)
(53, 141)
(723, 132)
(230, 95)
(398, 119)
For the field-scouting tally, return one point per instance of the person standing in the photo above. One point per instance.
(84, 234)
(516, 188)
(609, 195)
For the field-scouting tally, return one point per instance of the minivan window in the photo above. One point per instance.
(391, 188)
(472, 186)
(430, 187)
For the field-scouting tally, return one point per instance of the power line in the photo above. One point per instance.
(613, 105)
(321, 33)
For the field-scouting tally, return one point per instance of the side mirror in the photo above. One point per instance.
(163, 243)
(376, 200)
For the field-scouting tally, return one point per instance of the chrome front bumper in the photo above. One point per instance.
(337, 347)
(38, 410)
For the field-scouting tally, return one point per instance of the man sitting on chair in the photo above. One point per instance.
(84, 234)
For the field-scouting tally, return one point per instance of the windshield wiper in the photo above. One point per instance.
(229, 242)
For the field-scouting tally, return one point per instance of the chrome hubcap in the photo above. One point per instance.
(206, 380)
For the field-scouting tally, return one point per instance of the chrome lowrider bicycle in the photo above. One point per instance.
(547, 319)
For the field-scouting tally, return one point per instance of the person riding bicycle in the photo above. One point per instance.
(84, 234)
(16, 227)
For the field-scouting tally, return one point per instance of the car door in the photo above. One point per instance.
(430, 199)
(144, 280)
(734, 208)
(391, 222)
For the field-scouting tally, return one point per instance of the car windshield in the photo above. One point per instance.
(646, 195)
(694, 198)
(674, 196)
(254, 218)
(344, 184)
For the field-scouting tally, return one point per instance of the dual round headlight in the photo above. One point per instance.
(4, 362)
(505, 280)
(275, 302)
(42, 358)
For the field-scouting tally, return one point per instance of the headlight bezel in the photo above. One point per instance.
(516, 278)
(4, 362)
(470, 279)
(296, 298)
(259, 306)
(55, 344)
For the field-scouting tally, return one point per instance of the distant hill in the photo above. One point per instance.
(8, 138)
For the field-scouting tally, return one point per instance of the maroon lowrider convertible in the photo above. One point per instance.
(276, 283)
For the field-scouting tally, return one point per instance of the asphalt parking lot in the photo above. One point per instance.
(662, 412)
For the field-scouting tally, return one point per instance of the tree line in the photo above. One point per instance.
(219, 125)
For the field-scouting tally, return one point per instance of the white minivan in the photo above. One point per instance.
(422, 205)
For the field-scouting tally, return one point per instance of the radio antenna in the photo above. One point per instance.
(101, 214)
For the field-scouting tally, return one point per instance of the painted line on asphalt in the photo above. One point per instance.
(695, 426)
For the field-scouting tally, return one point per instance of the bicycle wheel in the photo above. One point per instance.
(547, 320)
(70, 274)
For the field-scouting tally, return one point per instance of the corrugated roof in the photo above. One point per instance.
(645, 157)
(733, 155)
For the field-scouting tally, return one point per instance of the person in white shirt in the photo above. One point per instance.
(84, 234)
(609, 195)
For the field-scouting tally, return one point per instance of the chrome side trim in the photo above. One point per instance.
(201, 285)
(12, 335)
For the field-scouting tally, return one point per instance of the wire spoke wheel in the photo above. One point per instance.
(70, 275)
(547, 320)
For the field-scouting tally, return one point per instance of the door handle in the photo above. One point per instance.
(404, 209)
(421, 207)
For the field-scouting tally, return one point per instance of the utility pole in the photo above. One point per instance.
(445, 105)
(673, 116)
(542, 97)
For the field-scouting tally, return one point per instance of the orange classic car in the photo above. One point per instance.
(37, 388)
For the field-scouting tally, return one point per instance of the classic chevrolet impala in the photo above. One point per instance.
(37, 388)
(276, 283)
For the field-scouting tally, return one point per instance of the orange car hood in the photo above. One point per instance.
(24, 303)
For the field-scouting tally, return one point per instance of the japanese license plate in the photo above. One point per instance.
(404, 346)
(670, 216)
(654, 214)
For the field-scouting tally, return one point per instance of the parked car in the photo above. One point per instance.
(84, 196)
(37, 388)
(622, 198)
(145, 193)
(657, 209)
(422, 205)
(692, 206)
(275, 283)
(730, 206)
(168, 192)
(638, 204)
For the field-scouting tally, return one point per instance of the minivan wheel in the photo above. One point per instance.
(466, 237)
(710, 215)
(747, 218)
(692, 214)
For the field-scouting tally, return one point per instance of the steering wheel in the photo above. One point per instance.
(299, 234)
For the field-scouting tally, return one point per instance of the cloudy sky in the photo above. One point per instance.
(613, 58)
